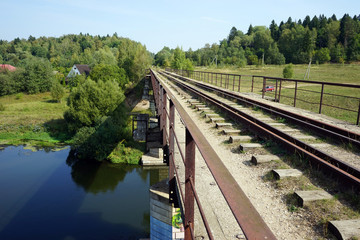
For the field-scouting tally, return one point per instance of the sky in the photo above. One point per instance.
(157, 23)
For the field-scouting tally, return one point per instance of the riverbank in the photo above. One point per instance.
(34, 120)
(37, 122)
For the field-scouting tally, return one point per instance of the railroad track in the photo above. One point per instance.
(348, 174)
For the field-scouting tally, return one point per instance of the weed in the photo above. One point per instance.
(256, 108)
(19, 96)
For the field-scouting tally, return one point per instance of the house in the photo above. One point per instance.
(78, 69)
(7, 67)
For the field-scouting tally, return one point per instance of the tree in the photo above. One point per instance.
(37, 75)
(107, 72)
(232, 34)
(250, 30)
(57, 91)
(322, 55)
(90, 101)
(179, 61)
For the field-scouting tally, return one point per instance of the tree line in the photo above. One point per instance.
(319, 39)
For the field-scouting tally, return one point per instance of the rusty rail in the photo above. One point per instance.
(251, 223)
(279, 89)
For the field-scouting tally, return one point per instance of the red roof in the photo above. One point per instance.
(8, 67)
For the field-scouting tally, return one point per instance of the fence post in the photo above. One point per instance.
(239, 83)
(252, 84)
(280, 90)
(321, 97)
(276, 89)
(189, 194)
(160, 107)
(233, 82)
(216, 79)
(164, 117)
(295, 93)
(358, 117)
(172, 182)
(264, 87)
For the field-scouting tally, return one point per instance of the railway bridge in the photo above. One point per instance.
(206, 182)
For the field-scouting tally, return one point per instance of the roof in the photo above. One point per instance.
(83, 69)
(8, 67)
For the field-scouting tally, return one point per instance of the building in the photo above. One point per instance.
(79, 69)
(7, 67)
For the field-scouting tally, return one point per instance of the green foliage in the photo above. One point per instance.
(90, 101)
(322, 55)
(37, 75)
(290, 42)
(76, 80)
(2, 107)
(7, 84)
(288, 71)
(109, 72)
(179, 61)
(162, 57)
(19, 96)
(57, 91)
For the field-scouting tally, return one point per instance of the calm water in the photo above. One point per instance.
(44, 195)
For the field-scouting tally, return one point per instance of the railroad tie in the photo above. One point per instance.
(248, 146)
(233, 139)
(231, 132)
(217, 119)
(306, 197)
(345, 229)
(257, 159)
(285, 173)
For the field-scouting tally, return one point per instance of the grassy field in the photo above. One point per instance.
(308, 95)
(33, 119)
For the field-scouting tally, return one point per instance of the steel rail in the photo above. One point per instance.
(338, 134)
(250, 221)
(337, 167)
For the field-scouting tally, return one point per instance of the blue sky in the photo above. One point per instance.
(157, 23)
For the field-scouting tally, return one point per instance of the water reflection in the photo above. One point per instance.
(44, 198)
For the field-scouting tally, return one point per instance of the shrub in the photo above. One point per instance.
(288, 71)
(90, 101)
(19, 96)
(57, 91)
(2, 107)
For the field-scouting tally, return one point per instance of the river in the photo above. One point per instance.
(46, 195)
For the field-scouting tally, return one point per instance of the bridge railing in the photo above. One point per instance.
(245, 214)
(337, 100)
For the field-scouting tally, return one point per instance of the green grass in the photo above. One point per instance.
(32, 119)
(335, 73)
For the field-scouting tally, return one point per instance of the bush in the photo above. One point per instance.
(2, 107)
(19, 96)
(57, 91)
(90, 101)
(288, 71)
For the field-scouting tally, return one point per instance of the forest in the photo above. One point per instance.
(319, 39)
